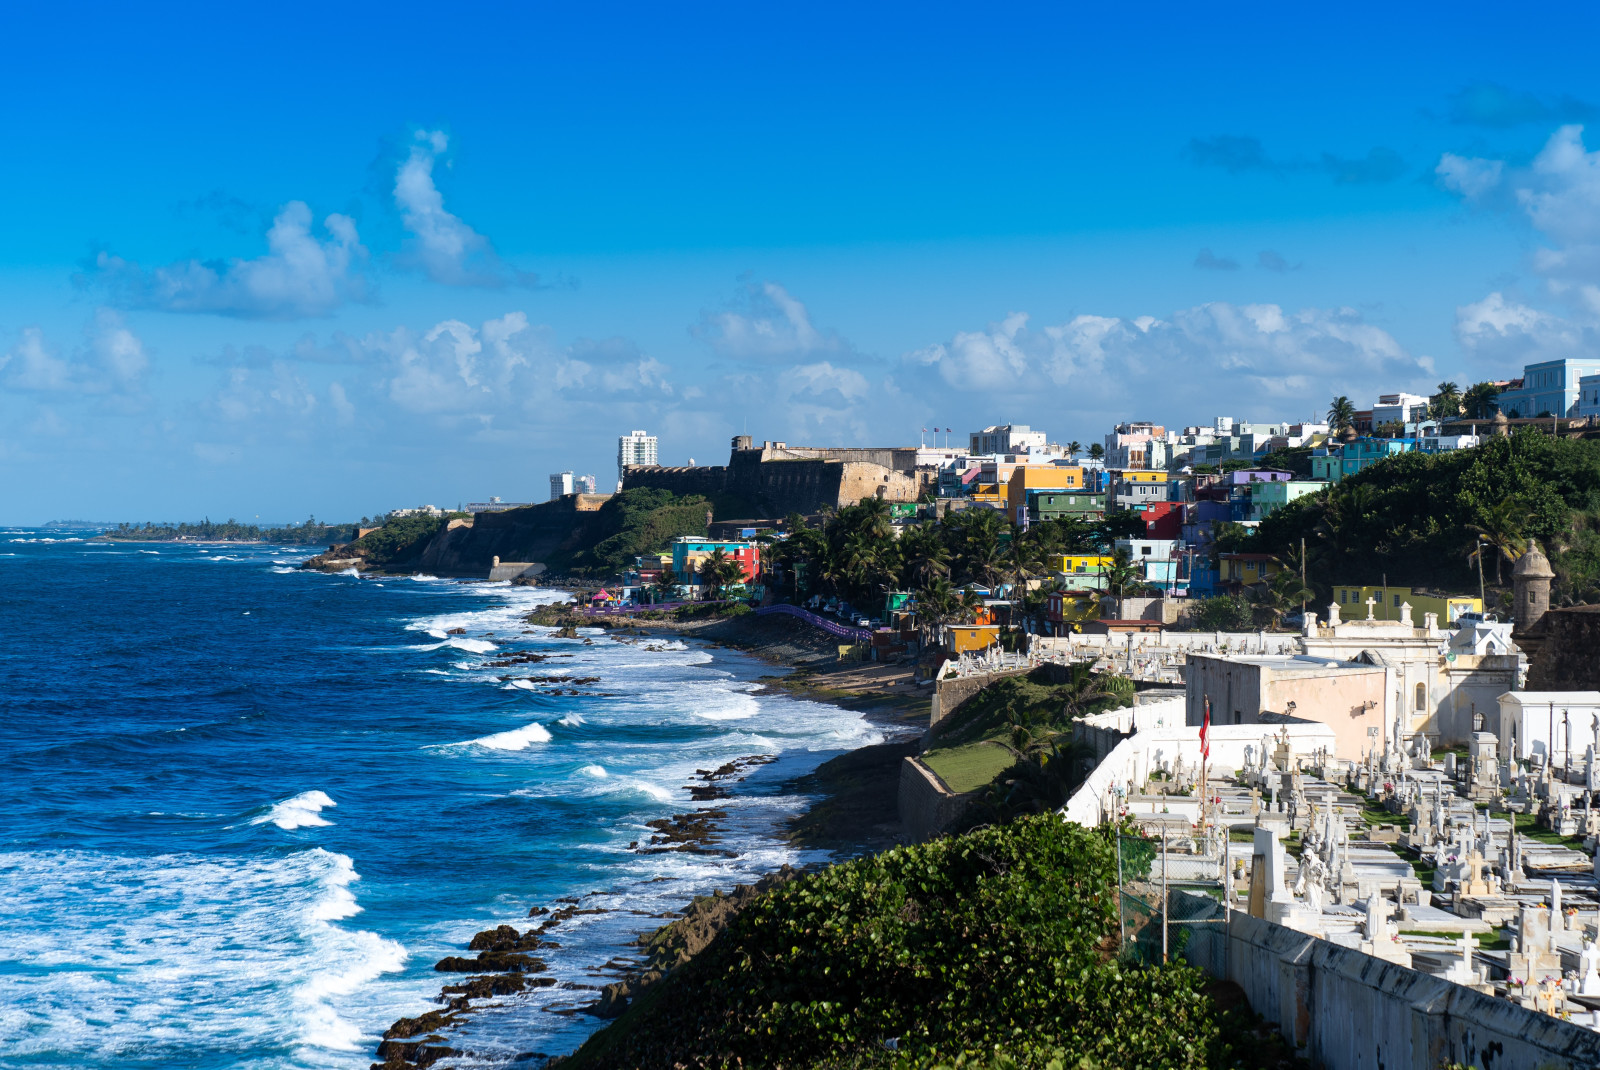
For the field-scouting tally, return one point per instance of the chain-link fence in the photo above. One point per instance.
(1169, 897)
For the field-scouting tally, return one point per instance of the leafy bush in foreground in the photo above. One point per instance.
(992, 945)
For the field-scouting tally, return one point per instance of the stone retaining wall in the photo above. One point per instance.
(927, 807)
(1345, 1010)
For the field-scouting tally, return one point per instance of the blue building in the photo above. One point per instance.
(1549, 388)
(1352, 457)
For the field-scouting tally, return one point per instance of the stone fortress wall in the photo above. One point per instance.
(776, 479)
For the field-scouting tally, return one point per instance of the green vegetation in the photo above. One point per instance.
(1223, 613)
(855, 555)
(402, 538)
(311, 533)
(640, 520)
(970, 766)
(1015, 737)
(990, 949)
(1416, 518)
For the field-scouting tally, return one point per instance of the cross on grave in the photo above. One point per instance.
(1549, 995)
(1590, 961)
(1462, 972)
(1371, 602)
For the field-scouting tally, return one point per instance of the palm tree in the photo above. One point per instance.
(1122, 575)
(721, 571)
(925, 555)
(1096, 451)
(1341, 414)
(1479, 400)
(666, 584)
(1446, 404)
(1073, 449)
(1500, 528)
(1279, 594)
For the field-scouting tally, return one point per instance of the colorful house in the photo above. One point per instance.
(1268, 498)
(1079, 572)
(1162, 520)
(1355, 456)
(1237, 571)
(970, 638)
(1064, 610)
(1050, 504)
(1136, 487)
(689, 552)
(1387, 603)
(1026, 478)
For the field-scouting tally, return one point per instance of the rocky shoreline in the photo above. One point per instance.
(853, 813)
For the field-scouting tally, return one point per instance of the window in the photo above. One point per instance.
(1397, 601)
(1422, 697)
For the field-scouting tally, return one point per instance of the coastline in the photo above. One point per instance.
(852, 811)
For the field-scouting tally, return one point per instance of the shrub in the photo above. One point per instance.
(1223, 613)
(997, 942)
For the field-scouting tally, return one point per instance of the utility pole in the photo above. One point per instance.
(1302, 580)
(1483, 600)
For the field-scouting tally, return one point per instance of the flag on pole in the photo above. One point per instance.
(1205, 732)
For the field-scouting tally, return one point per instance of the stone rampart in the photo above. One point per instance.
(1568, 657)
(1345, 1010)
(927, 807)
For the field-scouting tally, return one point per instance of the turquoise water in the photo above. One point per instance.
(249, 807)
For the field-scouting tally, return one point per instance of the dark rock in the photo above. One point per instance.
(491, 962)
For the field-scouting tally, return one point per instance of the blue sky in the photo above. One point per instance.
(292, 259)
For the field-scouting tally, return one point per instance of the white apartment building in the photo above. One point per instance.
(635, 447)
(560, 485)
(1399, 408)
(1006, 438)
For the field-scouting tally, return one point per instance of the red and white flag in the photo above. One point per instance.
(1205, 732)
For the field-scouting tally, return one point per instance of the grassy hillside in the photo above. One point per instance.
(981, 739)
(996, 948)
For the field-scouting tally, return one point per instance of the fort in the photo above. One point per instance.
(775, 479)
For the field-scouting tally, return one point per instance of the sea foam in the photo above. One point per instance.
(515, 739)
(299, 811)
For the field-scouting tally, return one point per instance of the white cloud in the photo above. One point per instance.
(766, 323)
(1215, 358)
(442, 244)
(1469, 176)
(1558, 194)
(110, 361)
(1504, 334)
(300, 274)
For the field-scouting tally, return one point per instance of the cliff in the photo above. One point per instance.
(560, 535)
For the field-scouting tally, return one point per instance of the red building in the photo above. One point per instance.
(1162, 520)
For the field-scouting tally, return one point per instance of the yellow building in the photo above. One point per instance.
(1083, 564)
(1139, 475)
(1025, 477)
(971, 638)
(1386, 603)
(1236, 571)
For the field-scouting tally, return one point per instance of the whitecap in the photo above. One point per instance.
(299, 811)
(471, 646)
(598, 771)
(436, 672)
(571, 720)
(735, 706)
(156, 552)
(127, 942)
(437, 634)
(515, 739)
(520, 685)
(280, 570)
(352, 571)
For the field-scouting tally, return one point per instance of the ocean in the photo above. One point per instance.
(248, 807)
